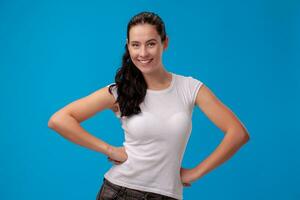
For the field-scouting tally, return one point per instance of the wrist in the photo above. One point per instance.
(107, 150)
(198, 172)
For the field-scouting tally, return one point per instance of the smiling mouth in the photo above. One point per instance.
(145, 61)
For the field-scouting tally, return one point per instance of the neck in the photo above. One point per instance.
(158, 80)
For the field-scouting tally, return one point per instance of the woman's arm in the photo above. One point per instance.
(236, 134)
(67, 120)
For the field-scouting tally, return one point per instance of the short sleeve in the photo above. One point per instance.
(193, 86)
(114, 90)
(115, 94)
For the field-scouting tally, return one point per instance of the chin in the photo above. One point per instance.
(148, 69)
(145, 69)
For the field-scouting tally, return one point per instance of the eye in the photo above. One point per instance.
(151, 44)
(134, 45)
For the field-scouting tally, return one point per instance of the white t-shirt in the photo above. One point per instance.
(156, 138)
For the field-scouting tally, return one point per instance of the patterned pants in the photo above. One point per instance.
(110, 191)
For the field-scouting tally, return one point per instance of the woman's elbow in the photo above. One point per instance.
(240, 134)
(51, 122)
(244, 136)
(54, 120)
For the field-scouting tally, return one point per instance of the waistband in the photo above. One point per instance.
(134, 192)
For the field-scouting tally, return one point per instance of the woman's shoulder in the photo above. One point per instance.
(115, 108)
(187, 79)
(189, 87)
(113, 88)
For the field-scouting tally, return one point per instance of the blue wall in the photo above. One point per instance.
(54, 52)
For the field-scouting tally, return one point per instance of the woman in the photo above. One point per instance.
(155, 107)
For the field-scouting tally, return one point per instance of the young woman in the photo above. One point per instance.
(155, 107)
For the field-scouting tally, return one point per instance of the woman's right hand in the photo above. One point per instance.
(117, 155)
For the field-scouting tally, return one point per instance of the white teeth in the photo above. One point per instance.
(145, 61)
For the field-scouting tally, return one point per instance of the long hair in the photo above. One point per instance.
(129, 80)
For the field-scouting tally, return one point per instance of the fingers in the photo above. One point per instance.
(186, 184)
(114, 161)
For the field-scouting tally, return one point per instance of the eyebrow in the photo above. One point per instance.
(146, 41)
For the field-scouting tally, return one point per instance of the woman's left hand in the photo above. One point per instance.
(186, 176)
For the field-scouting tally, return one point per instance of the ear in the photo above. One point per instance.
(166, 43)
(127, 41)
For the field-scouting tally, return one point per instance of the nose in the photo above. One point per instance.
(143, 52)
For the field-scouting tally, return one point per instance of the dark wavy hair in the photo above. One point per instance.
(131, 85)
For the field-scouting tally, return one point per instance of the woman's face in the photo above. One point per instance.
(145, 47)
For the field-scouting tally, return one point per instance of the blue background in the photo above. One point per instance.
(54, 52)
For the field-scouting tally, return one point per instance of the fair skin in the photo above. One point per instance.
(145, 46)
(146, 49)
(236, 134)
